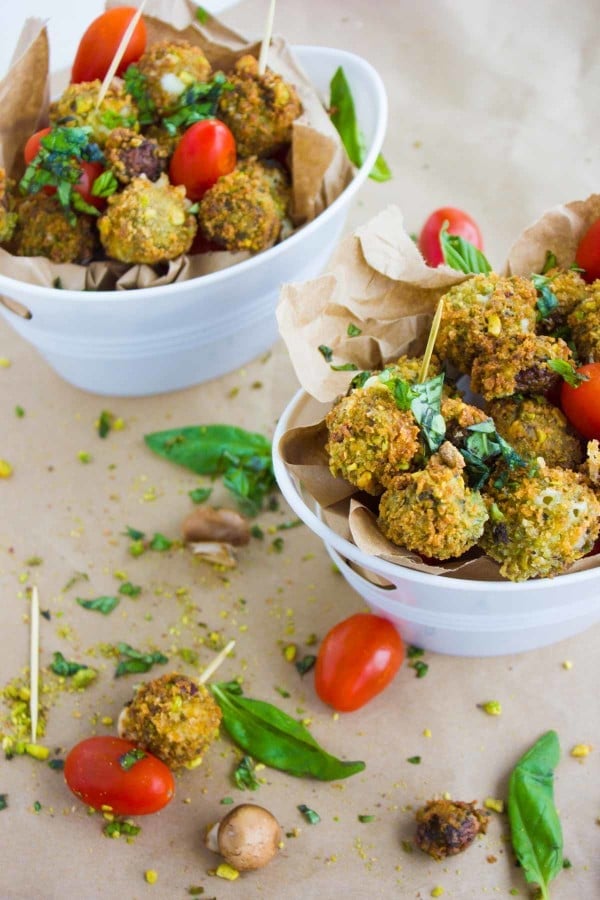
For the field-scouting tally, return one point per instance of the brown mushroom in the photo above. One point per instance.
(213, 525)
(248, 837)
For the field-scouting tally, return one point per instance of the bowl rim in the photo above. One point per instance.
(381, 566)
(223, 275)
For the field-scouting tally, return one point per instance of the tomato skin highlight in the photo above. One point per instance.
(581, 405)
(587, 256)
(459, 223)
(205, 152)
(94, 774)
(357, 659)
(100, 41)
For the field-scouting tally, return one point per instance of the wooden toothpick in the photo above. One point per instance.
(214, 665)
(119, 54)
(266, 41)
(435, 327)
(34, 662)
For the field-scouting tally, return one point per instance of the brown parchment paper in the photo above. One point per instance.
(319, 164)
(379, 281)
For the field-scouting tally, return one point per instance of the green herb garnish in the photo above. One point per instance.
(536, 831)
(19, 412)
(104, 605)
(326, 352)
(344, 367)
(198, 101)
(105, 423)
(353, 330)
(202, 15)
(421, 668)
(244, 775)
(312, 817)
(567, 372)
(130, 590)
(134, 661)
(277, 545)
(366, 819)
(116, 828)
(482, 445)
(550, 262)
(305, 664)
(134, 533)
(343, 115)
(105, 184)
(160, 542)
(461, 255)
(78, 576)
(136, 86)
(199, 495)
(128, 760)
(3, 801)
(414, 760)
(64, 667)
(414, 652)
(56, 765)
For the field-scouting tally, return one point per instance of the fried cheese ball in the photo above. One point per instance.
(239, 211)
(43, 229)
(585, 325)
(77, 108)
(370, 439)
(8, 217)
(259, 109)
(482, 307)
(540, 522)
(169, 67)
(130, 155)
(569, 288)
(147, 222)
(518, 364)
(432, 511)
(447, 827)
(535, 427)
(174, 718)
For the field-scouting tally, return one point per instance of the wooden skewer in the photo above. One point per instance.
(34, 662)
(266, 41)
(214, 665)
(435, 327)
(119, 54)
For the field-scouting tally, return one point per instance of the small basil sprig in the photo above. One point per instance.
(199, 101)
(536, 831)
(481, 446)
(424, 401)
(461, 254)
(343, 116)
(271, 736)
(134, 661)
(136, 86)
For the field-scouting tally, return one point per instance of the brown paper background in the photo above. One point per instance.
(515, 140)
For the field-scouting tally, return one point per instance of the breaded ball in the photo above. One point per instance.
(540, 522)
(169, 67)
(173, 717)
(518, 363)
(259, 109)
(239, 212)
(148, 222)
(432, 511)
(43, 229)
(585, 325)
(370, 439)
(569, 288)
(535, 427)
(130, 155)
(276, 179)
(447, 827)
(483, 307)
(77, 108)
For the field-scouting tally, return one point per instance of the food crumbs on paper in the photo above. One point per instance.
(580, 751)
(427, 732)
(6, 469)
(84, 457)
(225, 871)
(5, 363)
(437, 891)
(493, 803)
(151, 876)
(567, 664)
(491, 707)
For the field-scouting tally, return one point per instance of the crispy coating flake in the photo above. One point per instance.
(259, 109)
(8, 217)
(370, 438)
(130, 155)
(585, 325)
(517, 364)
(174, 718)
(541, 522)
(432, 511)
(447, 827)
(483, 307)
(43, 230)
(170, 67)
(77, 108)
(147, 222)
(535, 427)
(569, 288)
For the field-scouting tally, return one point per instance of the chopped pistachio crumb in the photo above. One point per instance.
(366, 819)
(84, 457)
(19, 412)
(581, 750)
(437, 891)
(5, 469)
(567, 664)
(226, 871)
(493, 803)
(290, 652)
(491, 707)
(151, 876)
(4, 362)
(407, 846)
(427, 732)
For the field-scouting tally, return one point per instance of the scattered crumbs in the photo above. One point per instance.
(427, 732)
(84, 457)
(5, 469)
(407, 846)
(256, 385)
(491, 858)
(225, 871)
(290, 651)
(4, 362)
(151, 876)
(581, 750)
(233, 392)
(567, 664)
(34, 561)
(366, 819)
(37, 806)
(57, 764)
(3, 801)
(282, 692)
(19, 412)
(414, 760)
(493, 803)
(312, 817)
(491, 707)
(421, 668)
(195, 890)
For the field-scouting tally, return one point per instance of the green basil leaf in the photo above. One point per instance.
(536, 831)
(275, 739)
(344, 367)
(567, 372)
(353, 330)
(343, 116)
(135, 661)
(136, 86)
(207, 449)
(105, 185)
(550, 262)
(312, 817)
(380, 171)
(130, 590)
(326, 352)
(461, 255)
(104, 605)
(198, 101)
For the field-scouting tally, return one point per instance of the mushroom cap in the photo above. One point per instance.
(249, 837)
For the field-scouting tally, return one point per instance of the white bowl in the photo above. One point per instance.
(444, 614)
(152, 340)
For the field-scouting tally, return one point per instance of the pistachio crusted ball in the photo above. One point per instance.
(535, 427)
(447, 827)
(43, 229)
(78, 106)
(585, 324)
(518, 363)
(168, 68)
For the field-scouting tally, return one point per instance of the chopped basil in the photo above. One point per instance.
(104, 605)
(19, 412)
(326, 352)
(198, 101)
(202, 15)
(128, 760)
(414, 652)
(160, 542)
(414, 760)
(134, 534)
(136, 86)
(134, 661)
(550, 262)
(359, 380)
(285, 526)
(130, 590)
(309, 814)
(353, 330)
(105, 185)
(116, 828)
(3, 801)
(63, 667)
(282, 692)
(421, 668)
(567, 372)
(257, 532)
(305, 664)
(425, 407)
(78, 576)
(57, 764)
(199, 495)
(105, 422)
(366, 819)
(344, 367)
(461, 255)
(226, 801)
(244, 774)
(277, 544)
(482, 445)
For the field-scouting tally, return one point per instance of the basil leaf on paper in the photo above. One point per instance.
(276, 739)
(536, 831)
(343, 116)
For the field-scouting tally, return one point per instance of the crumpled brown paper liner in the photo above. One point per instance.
(320, 167)
(379, 282)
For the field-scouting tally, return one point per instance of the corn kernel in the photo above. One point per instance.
(581, 750)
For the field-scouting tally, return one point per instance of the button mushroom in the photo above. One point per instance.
(248, 837)
(213, 533)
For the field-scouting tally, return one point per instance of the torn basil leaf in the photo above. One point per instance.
(343, 115)
(461, 255)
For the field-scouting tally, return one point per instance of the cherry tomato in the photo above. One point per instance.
(101, 40)
(459, 223)
(588, 252)
(357, 660)
(100, 773)
(581, 405)
(205, 152)
(89, 171)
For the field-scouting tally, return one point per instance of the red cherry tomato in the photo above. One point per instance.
(357, 660)
(98, 771)
(101, 40)
(205, 152)
(459, 223)
(89, 171)
(588, 253)
(581, 405)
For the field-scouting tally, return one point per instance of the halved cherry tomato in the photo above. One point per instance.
(205, 152)
(357, 659)
(101, 40)
(581, 405)
(89, 171)
(459, 223)
(588, 253)
(104, 771)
